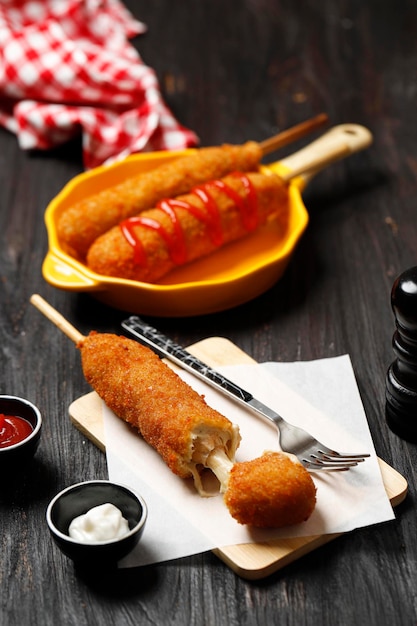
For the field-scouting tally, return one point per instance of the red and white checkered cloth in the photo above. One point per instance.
(67, 66)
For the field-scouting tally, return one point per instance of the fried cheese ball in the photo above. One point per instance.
(79, 225)
(143, 391)
(272, 491)
(194, 232)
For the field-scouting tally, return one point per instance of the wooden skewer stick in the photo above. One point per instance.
(293, 134)
(55, 317)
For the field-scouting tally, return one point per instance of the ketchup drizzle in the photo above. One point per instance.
(210, 216)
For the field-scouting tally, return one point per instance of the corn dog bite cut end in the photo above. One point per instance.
(272, 491)
(147, 394)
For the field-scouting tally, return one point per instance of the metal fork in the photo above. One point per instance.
(313, 454)
(292, 439)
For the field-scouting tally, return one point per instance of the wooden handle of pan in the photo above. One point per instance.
(55, 317)
(336, 144)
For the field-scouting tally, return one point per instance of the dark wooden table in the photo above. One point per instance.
(233, 70)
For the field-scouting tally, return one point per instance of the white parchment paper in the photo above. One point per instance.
(321, 396)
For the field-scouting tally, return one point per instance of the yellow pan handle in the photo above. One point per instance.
(66, 275)
(336, 144)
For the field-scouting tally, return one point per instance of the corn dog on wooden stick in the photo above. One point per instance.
(143, 391)
(171, 417)
(80, 224)
(148, 246)
(274, 490)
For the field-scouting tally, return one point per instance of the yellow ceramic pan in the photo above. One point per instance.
(229, 277)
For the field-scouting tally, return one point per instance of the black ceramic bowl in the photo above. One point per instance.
(80, 498)
(18, 454)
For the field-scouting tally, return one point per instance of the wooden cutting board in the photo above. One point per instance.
(250, 561)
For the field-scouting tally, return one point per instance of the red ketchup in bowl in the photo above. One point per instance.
(13, 429)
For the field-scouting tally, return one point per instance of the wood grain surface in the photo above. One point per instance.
(233, 70)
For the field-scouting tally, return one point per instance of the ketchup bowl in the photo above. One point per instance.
(20, 431)
(77, 502)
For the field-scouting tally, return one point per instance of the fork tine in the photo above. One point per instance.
(328, 461)
(328, 454)
(323, 458)
(328, 467)
(312, 453)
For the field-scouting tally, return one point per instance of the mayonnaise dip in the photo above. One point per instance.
(101, 523)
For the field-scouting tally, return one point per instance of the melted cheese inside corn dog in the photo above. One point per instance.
(142, 390)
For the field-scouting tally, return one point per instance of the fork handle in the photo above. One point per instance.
(164, 346)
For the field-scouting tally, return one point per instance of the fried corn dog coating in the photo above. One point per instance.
(140, 389)
(272, 491)
(80, 224)
(113, 254)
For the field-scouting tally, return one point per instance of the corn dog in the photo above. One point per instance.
(80, 224)
(147, 247)
(140, 389)
(273, 491)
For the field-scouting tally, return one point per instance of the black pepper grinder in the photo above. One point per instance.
(401, 379)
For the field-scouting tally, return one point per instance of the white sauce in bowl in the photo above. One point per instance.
(101, 523)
